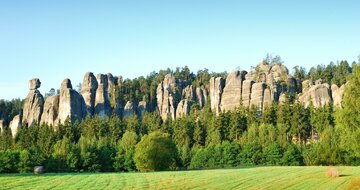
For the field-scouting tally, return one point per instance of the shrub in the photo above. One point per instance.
(332, 172)
(155, 152)
(9, 160)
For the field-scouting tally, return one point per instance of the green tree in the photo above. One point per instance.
(155, 152)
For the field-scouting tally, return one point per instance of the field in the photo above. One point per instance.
(242, 178)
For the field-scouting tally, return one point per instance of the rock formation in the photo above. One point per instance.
(183, 108)
(88, 91)
(216, 90)
(141, 109)
(189, 93)
(71, 104)
(231, 95)
(51, 110)
(15, 125)
(257, 94)
(1, 126)
(129, 109)
(102, 102)
(200, 98)
(246, 92)
(337, 94)
(33, 105)
(166, 97)
(318, 94)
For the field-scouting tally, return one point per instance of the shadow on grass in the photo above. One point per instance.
(344, 175)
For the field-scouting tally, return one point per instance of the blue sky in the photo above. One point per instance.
(53, 40)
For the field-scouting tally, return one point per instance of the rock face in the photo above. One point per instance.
(189, 93)
(33, 105)
(129, 109)
(183, 108)
(257, 94)
(337, 94)
(268, 97)
(141, 109)
(15, 125)
(200, 98)
(51, 110)
(102, 102)
(306, 84)
(216, 89)
(71, 104)
(318, 94)
(166, 97)
(246, 92)
(231, 95)
(1, 126)
(88, 91)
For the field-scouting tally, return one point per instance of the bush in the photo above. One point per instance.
(155, 152)
(332, 172)
(9, 160)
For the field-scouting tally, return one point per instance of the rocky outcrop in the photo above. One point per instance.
(183, 108)
(102, 102)
(1, 126)
(257, 94)
(246, 92)
(278, 71)
(318, 94)
(268, 97)
(166, 97)
(141, 109)
(337, 94)
(15, 125)
(306, 84)
(216, 89)
(71, 104)
(129, 109)
(231, 95)
(51, 110)
(33, 105)
(200, 98)
(88, 91)
(189, 93)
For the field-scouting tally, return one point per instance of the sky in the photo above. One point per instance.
(54, 40)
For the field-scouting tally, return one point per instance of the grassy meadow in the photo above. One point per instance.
(242, 178)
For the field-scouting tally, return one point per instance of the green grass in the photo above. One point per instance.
(243, 178)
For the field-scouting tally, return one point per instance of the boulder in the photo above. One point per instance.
(337, 94)
(102, 102)
(318, 94)
(33, 104)
(34, 84)
(141, 109)
(216, 89)
(15, 125)
(200, 98)
(166, 97)
(71, 104)
(246, 92)
(231, 96)
(183, 108)
(39, 170)
(88, 91)
(257, 94)
(51, 110)
(129, 109)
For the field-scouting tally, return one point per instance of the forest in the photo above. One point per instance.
(287, 134)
